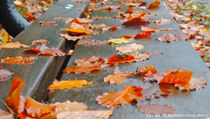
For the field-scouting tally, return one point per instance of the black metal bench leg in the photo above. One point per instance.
(10, 18)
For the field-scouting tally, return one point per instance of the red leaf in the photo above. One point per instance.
(144, 34)
(120, 58)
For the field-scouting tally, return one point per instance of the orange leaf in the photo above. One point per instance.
(115, 79)
(47, 23)
(73, 38)
(144, 34)
(149, 29)
(14, 98)
(13, 45)
(173, 76)
(129, 10)
(135, 21)
(120, 58)
(82, 69)
(147, 71)
(75, 31)
(154, 4)
(126, 96)
(41, 41)
(18, 60)
(36, 109)
(69, 84)
(126, 36)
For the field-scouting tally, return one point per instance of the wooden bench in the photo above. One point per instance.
(39, 75)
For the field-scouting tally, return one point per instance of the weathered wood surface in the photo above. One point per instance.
(40, 74)
(179, 54)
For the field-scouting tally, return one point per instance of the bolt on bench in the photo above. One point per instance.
(39, 75)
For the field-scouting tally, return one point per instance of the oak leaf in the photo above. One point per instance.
(69, 84)
(126, 96)
(18, 60)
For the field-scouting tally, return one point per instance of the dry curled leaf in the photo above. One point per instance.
(5, 74)
(16, 44)
(47, 23)
(69, 84)
(96, 114)
(152, 92)
(18, 60)
(129, 48)
(36, 109)
(14, 98)
(126, 96)
(194, 84)
(81, 21)
(163, 21)
(154, 4)
(156, 109)
(75, 31)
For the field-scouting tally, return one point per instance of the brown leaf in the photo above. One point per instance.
(16, 44)
(126, 96)
(92, 43)
(156, 109)
(47, 23)
(73, 38)
(69, 84)
(150, 29)
(163, 21)
(5, 74)
(152, 92)
(140, 56)
(40, 41)
(168, 37)
(129, 48)
(18, 60)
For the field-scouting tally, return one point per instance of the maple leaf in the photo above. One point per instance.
(144, 34)
(16, 44)
(5, 74)
(163, 21)
(154, 4)
(118, 41)
(126, 96)
(14, 99)
(69, 84)
(173, 76)
(47, 23)
(156, 109)
(5, 115)
(120, 58)
(129, 48)
(18, 60)
(194, 84)
(36, 109)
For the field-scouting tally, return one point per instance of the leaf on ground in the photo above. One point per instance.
(194, 84)
(75, 31)
(115, 79)
(168, 37)
(127, 36)
(81, 21)
(96, 114)
(36, 109)
(5, 115)
(73, 38)
(18, 60)
(69, 84)
(118, 41)
(152, 92)
(92, 43)
(44, 50)
(140, 56)
(154, 4)
(147, 71)
(40, 41)
(47, 23)
(16, 44)
(109, 7)
(120, 58)
(150, 29)
(126, 96)
(173, 76)
(14, 99)
(135, 21)
(163, 21)
(156, 109)
(70, 52)
(5, 74)
(144, 34)
(129, 48)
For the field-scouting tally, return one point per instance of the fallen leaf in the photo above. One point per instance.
(18, 60)
(163, 21)
(47, 23)
(144, 34)
(69, 84)
(14, 99)
(126, 36)
(92, 43)
(5, 115)
(147, 71)
(126, 96)
(16, 44)
(40, 41)
(168, 37)
(97, 114)
(154, 4)
(118, 41)
(70, 52)
(150, 29)
(156, 109)
(194, 84)
(73, 38)
(120, 58)
(140, 56)
(152, 92)
(75, 31)
(129, 10)
(129, 48)
(81, 21)
(36, 109)
(115, 79)
(135, 21)
(5, 74)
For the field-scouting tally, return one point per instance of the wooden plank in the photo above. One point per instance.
(44, 70)
(179, 54)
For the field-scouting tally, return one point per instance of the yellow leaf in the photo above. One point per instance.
(118, 41)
